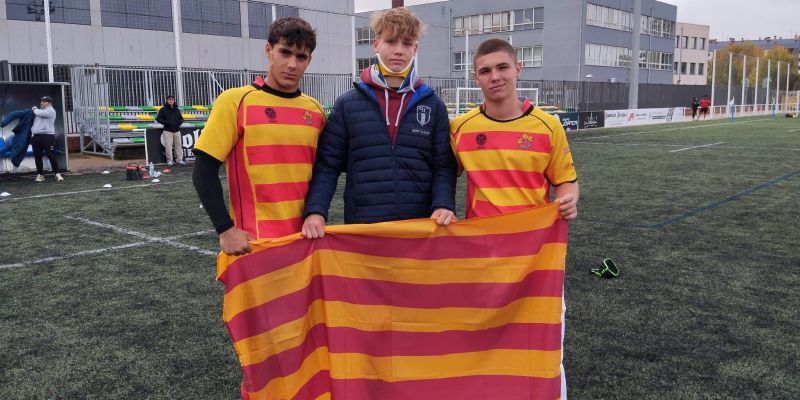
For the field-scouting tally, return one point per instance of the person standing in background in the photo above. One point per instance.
(43, 137)
(170, 116)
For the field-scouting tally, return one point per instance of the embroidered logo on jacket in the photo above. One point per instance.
(423, 115)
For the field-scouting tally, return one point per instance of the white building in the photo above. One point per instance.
(691, 54)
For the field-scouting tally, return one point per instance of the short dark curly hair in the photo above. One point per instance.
(294, 31)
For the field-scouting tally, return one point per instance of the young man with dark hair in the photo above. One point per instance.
(512, 151)
(170, 116)
(266, 133)
(390, 133)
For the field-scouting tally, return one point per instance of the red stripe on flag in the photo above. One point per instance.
(280, 154)
(546, 337)
(502, 178)
(274, 192)
(262, 318)
(481, 387)
(435, 248)
(273, 228)
(259, 115)
(500, 140)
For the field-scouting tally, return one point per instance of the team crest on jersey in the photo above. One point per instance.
(308, 119)
(270, 113)
(525, 141)
(480, 139)
(423, 115)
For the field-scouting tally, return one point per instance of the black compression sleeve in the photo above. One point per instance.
(209, 188)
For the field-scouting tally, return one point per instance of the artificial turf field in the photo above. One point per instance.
(110, 293)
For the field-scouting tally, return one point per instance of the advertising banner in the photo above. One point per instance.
(569, 120)
(591, 119)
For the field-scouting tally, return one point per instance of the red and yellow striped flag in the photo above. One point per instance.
(403, 310)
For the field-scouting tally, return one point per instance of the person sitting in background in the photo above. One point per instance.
(170, 116)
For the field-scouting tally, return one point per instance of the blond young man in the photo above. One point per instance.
(390, 133)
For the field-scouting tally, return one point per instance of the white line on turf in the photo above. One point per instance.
(39, 196)
(683, 145)
(98, 251)
(663, 130)
(143, 235)
(696, 147)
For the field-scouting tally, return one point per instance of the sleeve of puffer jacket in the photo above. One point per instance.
(443, 162)
(331, 161)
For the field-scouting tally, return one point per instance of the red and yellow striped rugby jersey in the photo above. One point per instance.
(510, 165)
(268, 141)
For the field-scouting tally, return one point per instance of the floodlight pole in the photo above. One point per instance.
(176, 30)
(755, 85)
(769, 78)
(744, 80)
(778, 87)
(352, 45)
(633, 80)
(466, 57)
(713, 81)
(49, 41)
(730, 78)
(788, 65)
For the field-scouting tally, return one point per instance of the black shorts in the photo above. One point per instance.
(704, 110)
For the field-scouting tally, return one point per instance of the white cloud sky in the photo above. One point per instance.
(749, 19)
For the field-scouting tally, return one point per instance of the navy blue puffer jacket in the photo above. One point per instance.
(385, 182)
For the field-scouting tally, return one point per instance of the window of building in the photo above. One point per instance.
(523, 19)
(364, 35)
(700, 70)
(702, 43)
(677, 42)
(694, 42)
(259, 17)
(530, 56)
(683, 68)
(495, 22)
(685, 42)
(538, 18)
(675, 68)
(211, 17)
(362, 63)
(153, 15)
(691, 68)
(608, 18)
(655, 60)
(459, 61)
(61, 11)
(608, 56)
(657, 27)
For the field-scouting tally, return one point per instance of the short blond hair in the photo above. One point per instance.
(397, 22)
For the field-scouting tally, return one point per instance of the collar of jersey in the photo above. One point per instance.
(261, 84)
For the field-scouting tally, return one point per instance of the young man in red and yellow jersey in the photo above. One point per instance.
(266, 134)
(512, 152)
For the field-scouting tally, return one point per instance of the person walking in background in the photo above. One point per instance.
(695, 106)
(705, 103)
(43, 137)
(170, 116)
